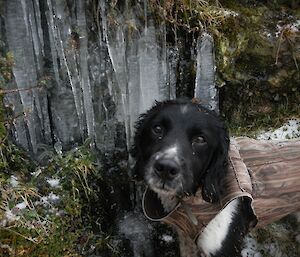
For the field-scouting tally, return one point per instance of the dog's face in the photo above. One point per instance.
(180, 146)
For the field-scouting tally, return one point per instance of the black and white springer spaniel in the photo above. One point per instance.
(180, 147)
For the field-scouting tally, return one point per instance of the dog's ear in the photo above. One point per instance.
(136, 150)
(212, 180)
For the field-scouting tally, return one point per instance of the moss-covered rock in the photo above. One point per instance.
(257, 65)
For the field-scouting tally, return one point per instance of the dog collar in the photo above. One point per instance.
(154, 210)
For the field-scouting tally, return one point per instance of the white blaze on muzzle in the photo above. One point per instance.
(169, 153)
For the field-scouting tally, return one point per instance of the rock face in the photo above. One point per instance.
(85, 69)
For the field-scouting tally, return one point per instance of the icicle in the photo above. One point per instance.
(164, 89)
(148, 67)
(52, 39)
(73, 79)
(40, 104)
(205, 89)
(85, 81)
(20, 43)
(145, 17)
(37, 14)
(173, 58)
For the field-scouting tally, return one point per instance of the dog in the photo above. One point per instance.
(179, 148)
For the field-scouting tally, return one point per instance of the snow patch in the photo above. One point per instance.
(290, 129)
(10, 216)
(167, 238)
(14, 181)
(53, 197)
(21, 206)
(250, 248)
(53, 182)
(49, 199)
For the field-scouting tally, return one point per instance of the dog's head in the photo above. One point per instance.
(180, 146)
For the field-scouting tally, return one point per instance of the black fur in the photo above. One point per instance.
(207, 165)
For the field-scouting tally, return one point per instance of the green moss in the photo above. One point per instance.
(6, 64)
(257, 61)
(257, 68)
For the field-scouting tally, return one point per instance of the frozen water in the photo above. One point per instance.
(53, 182)
(205, 89)
(20, 27)
(250, 247)
(291, 129)
(167, 238)
(148, 67)
(51, 198)
(10, 216)
(21, 205)
(14, 181)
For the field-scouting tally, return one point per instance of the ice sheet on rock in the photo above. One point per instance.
(20, 26)
(116, 46)
(85, 80)
(94, 82)
(140, 66)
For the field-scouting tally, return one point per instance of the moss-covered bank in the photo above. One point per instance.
(258, 65)
(257, 56)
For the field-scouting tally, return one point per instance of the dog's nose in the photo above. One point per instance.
(166, 168)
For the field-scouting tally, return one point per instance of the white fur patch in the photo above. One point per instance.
(168, 188)
(212, 237)
(171, 152)
(184, 109)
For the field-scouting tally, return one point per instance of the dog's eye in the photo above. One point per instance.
(158, 130)
(198, 141)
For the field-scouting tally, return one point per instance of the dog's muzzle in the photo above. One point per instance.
(165, 172)
(166, 168)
